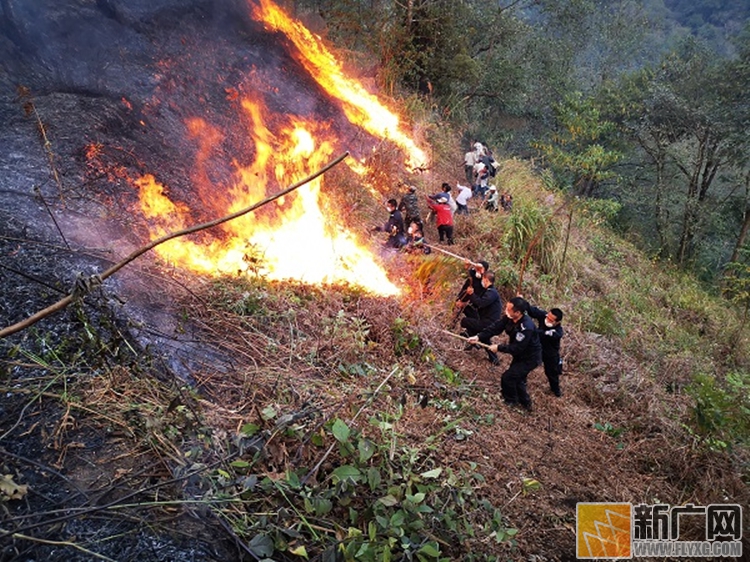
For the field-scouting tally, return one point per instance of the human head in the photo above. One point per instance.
(391, 204)
(415, 226)
(480, 268)
(516, 308)
(446, 187)
(488, 279)
(412, 188)
(555, 315)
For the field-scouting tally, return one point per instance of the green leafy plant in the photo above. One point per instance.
(381, 501)
(404, 337)
(721, 414)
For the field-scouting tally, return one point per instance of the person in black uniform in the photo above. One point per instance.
(523, 345)
(487, 304)
(394, 227)
(550, 334)
(474, 280)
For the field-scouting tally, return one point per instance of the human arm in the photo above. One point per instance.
(537, 313)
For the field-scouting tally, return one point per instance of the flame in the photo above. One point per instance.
(294, 241)
(299, 236)
(361, 107)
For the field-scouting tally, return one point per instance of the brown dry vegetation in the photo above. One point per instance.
(301, 357)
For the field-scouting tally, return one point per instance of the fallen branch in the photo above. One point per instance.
(59, 305)
(63, 543)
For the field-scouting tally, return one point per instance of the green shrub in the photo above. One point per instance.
(721, 414)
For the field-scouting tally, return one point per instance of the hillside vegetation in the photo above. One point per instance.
(345, 426)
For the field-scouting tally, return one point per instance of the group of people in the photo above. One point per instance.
(442, 206)
(480, 167)
(410, 238)
(534, 334)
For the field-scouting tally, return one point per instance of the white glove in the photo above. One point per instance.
(549, 333)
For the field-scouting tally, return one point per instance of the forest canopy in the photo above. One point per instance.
(640, 102)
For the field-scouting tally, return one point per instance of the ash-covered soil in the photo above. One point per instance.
(92, 96)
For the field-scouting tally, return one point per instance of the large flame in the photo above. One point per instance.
(294, 241)
(360, 107)
(297, 237)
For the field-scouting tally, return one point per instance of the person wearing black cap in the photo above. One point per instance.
(523, 345)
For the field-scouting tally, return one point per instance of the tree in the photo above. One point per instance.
(679, 116)
(578, 148)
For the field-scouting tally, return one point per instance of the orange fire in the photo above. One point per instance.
(296, 237)
(360, 107)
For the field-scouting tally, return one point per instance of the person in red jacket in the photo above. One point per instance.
(443, 218)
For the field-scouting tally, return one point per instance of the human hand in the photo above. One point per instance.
(470, 290)
(473, 339)
(493, 348)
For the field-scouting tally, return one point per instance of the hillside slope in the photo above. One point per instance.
(314, 414)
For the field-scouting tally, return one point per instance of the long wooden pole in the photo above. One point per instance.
(62, 303)
(480, 344)
(451, 254)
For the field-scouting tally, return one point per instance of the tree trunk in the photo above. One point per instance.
(745, 223)
(700, 178)
(654, 146)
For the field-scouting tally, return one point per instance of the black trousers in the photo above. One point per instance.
(473, 326)
(553, 370)
(446, 231)
(513, 382)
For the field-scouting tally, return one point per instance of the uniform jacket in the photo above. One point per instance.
(395, 224)
(475, 282)
(523, 339)
(410, 205)
(488, 304)
(550, 342)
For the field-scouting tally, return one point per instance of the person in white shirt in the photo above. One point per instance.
(470, 158)
(462, 199)
(482, 178)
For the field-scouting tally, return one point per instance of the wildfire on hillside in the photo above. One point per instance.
(301, 239)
